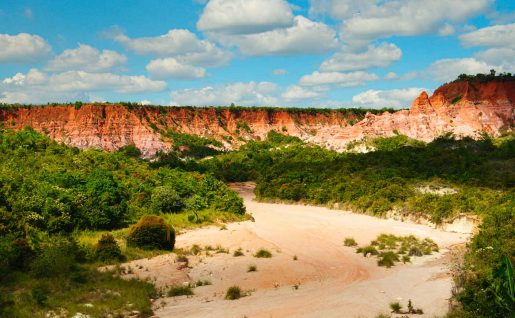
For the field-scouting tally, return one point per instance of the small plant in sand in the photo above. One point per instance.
(219, 250)
(388, 247)
(175, 291)
(296, 285)
(383, 316)
(387, 259)
(349, 241)
(295, 257)
(262, 253)
(233, 293)
(396, 307)
(238, 252)
(252, 268)
(182, 259)
(204, 282)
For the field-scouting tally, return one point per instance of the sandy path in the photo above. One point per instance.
(334, 280)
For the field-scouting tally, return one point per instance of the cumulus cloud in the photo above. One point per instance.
(247, 94)
(295, 93)
(171, 68)
(38, 87)
(375, 56)
(368, 20)
(502, 58)
(303, 37)
(394, 98)
(86, 58)
(448, 69)
(337, 79)
(245, 16)
(496, 36)
(23, 48)
(181, 44)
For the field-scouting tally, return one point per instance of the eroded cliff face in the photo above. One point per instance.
(463, 108)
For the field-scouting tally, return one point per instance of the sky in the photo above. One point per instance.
(318, 53)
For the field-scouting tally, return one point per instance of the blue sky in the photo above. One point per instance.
(319, 53)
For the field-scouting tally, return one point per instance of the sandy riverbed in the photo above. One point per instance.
(333, 280)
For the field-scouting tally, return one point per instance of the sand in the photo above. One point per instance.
(332, 280)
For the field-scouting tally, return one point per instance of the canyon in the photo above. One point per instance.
(463, 108)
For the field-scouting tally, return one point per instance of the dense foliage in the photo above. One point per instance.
(492, 76)
(437, 180)
(152, 232)
(50, 193)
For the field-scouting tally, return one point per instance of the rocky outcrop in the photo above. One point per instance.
(464, 108)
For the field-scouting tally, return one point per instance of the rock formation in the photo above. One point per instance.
(464, 108)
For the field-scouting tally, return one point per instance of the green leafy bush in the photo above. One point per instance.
(263, 253)
(175, 291)
(233, 293)
(151, 232)
(387, 259)
(349, 241)
(107, 249)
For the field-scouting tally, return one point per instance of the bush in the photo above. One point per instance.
(395, 307)
(151, 232)
(166, 200)
(180, 291)
(39, 294)
(252, 268)
(107, 249)
(262, 253)
(238, 252)
(349, 241)
(387, 259)
(367, 250)
(233, 293)
(55, 258)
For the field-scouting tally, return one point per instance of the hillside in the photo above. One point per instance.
(465, 108)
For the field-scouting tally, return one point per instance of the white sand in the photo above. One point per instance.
(334, 280)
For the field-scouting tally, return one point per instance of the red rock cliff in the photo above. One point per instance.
(463, 108)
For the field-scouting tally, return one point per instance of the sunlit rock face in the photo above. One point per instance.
(464, 108)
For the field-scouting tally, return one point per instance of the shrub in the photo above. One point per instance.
(395, 307)
(180, 291)
(349, 241)
(151, 232)
(107, 248)
(406, 259)
(233, 293)
(238, 252)
(55, 258)
(368, 250)
(252, 268)
(415, 251)
(166, 200)
(387, 259)
(39, 294)
(195, 249)
(262, 253)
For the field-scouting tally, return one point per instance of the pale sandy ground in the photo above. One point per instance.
(334, 280)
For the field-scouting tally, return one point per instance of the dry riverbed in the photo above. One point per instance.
(311, 272)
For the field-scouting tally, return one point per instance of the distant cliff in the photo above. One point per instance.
(465, 108)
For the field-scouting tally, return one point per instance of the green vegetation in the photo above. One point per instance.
(396, 307)
(238, 252)
(492, 76)
(63, 210)
(480, 173)
(349, 241)
(388, 248)
(262, 253)
(252, 268)
(175, 291)
(151, 232)
(234, 293)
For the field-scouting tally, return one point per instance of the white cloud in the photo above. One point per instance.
(502, 58)
(247, 94)
(295, 92)
(448, 69)
(145, 102)
(338, 79)
(304, 37)
(39, 87)
(391, 76)
(446, 30)
(280, 72)
(23, 48)
(371, 20)
(375, 56)
(245, 16)
(181, 44)
(497, 35)
(86, 58)
(395, 98)
(171, 68)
